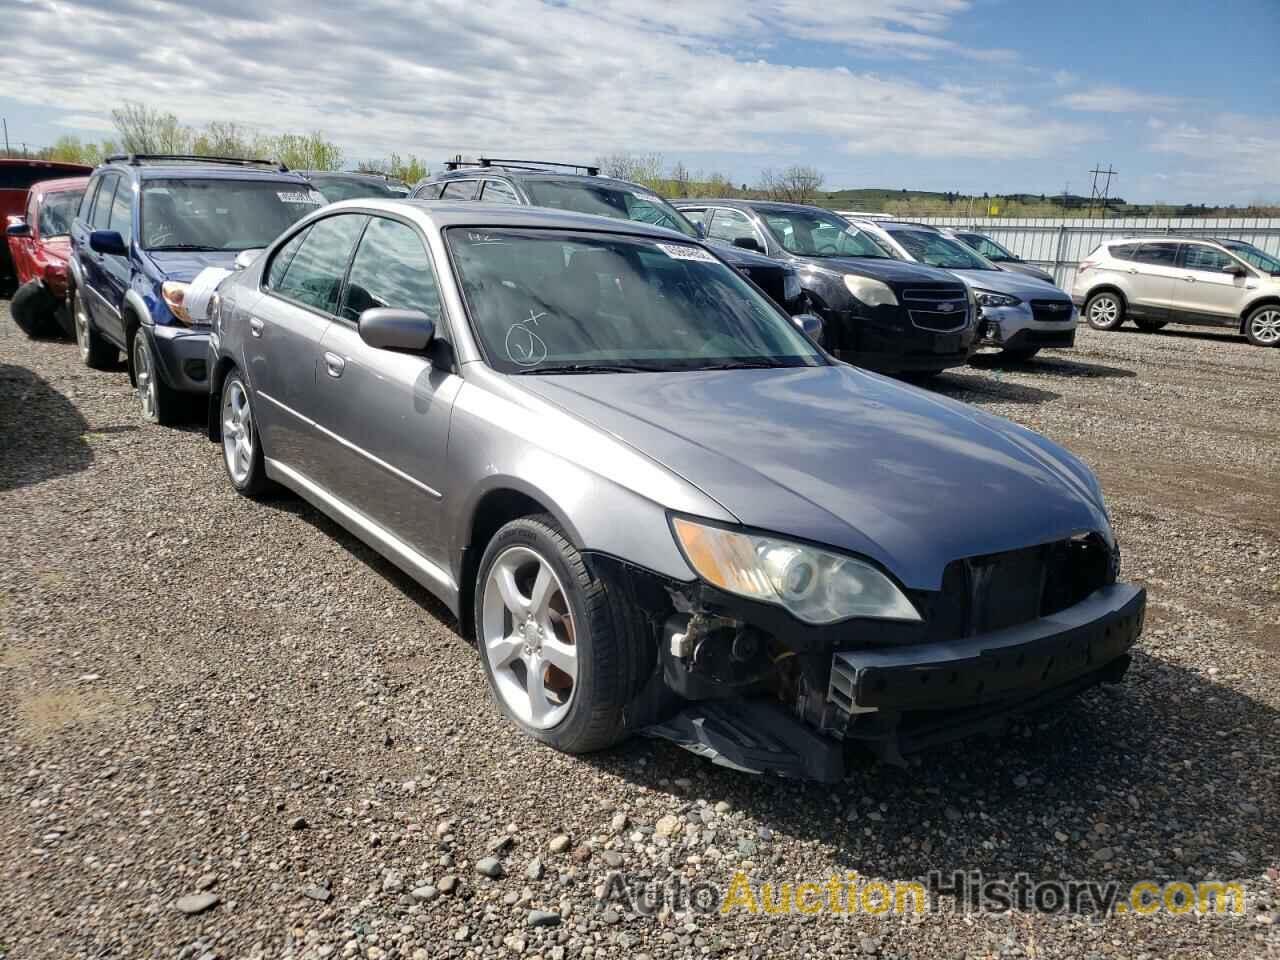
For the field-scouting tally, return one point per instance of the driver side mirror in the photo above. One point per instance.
(246, 257)
(811, 324)
(18, 227)
(748, 243)
(389, 329)
(1235, 270)
(108, 242)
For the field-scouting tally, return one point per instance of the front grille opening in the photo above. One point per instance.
(985, 593)
(194, 369)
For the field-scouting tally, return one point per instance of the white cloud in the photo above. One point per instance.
(1119, 100)
(577, 80)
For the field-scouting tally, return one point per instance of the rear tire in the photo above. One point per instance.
(525, 635)
(1149, 326)
(1105, 310)
(1263, 326)
(95, 352)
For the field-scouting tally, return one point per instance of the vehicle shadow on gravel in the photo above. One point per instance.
(1164, 777)
(975, 388)
(1049, 366)
(41, 431)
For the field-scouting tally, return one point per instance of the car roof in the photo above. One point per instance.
(53, 166)
(471, 213)
(518, 173)
(60, 185)
(194, 170)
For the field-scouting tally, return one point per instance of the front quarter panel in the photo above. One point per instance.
(608, 497)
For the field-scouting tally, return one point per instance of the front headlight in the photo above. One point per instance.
(871, 292)
(790, 286)
(815, 585)
(175, 295)
(989, 298)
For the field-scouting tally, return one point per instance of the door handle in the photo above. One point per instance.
(1133, 269)
(255, 326)
(1189, 279)
(334, 365)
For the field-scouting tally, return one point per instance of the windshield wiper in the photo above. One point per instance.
(748, 363)
(187, 246)
(592, 368)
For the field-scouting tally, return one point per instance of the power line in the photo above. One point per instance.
(1100, 196)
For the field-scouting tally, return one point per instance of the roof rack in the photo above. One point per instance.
(137, 159)
(458, 163)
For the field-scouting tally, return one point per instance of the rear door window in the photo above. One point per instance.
(122, 210)
(496, 191)
(1158, 254)
(314, 276)
(460, 190)
(102, 208)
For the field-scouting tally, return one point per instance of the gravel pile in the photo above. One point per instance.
(229, 730)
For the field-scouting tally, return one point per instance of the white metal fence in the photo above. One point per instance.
(1058, 245)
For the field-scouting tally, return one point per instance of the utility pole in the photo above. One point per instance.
(1100, 196)
(6, 135)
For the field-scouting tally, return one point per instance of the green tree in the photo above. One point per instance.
(143, 129)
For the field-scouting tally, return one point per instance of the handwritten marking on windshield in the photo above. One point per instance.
(524, 346)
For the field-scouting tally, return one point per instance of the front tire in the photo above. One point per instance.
(563, 656)
(1263, 326)
(32, 309)
(159, 402)
(1105, 310)
(95, 352)
(241, 445)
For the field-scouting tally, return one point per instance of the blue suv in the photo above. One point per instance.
(147, 226)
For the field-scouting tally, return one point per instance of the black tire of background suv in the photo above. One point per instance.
(1119, 322)
(32, 309)
(612, 659)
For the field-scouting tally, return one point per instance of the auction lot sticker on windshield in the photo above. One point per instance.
(309, 197)
(678, 252)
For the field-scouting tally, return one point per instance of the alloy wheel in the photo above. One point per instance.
(529, 638)
(82, 328)
(1104, 311)
(1265, 326)
(237, 431)
(144, 374)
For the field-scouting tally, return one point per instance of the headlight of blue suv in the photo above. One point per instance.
(871, 292)
(815, 585)
(790, 286)
(989, 298)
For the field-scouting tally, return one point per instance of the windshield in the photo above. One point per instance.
(220, 214)
(351, 188)
(812, 233)
(608, 200)
(987, 247)
(57, 210)
(1259, 258)
(939, 251)
(546, 301)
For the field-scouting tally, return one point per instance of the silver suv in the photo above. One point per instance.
(1153, 281)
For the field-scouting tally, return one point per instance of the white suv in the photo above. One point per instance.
(1154, 281)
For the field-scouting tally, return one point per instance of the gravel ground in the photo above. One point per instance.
(229, 730)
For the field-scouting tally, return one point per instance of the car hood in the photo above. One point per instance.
(844, 457)
(185, 264)
(889, 271)
(1015, 284)
(1028, 269)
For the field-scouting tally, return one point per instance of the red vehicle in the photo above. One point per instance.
(16, 177)
(39, 245)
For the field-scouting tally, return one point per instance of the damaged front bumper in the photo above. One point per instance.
(747, 686)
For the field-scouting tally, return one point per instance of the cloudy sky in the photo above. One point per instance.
(970, 95)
